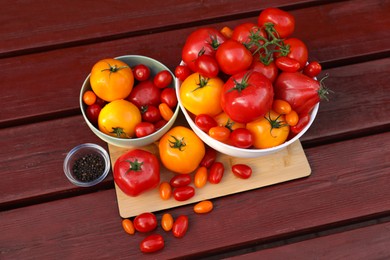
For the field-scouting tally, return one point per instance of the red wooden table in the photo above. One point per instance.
(341, 211)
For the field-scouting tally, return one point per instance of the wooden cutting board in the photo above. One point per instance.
(288, 164)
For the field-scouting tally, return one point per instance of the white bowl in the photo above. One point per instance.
(132, 60)
(235, 151)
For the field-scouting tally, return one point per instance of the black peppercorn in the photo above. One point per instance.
(88, 167)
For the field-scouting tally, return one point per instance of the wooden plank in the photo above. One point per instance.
(286, 165)
(63, 71)
(88, 226)
(370, 242)
(78, 22)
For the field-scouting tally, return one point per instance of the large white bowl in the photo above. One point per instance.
(131, 60)
(235, 151)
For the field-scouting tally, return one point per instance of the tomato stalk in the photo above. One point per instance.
(214, 42)
(239, 86)
(134, 165)
(275, 123)
(323, 92)
(177, 143)
(202, 82)
(114, 68)
(119, 132)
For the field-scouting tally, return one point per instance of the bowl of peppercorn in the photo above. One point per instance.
(86, 165)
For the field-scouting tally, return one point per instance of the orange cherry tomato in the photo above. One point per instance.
(281, 106)
(165, 190)
(227, 32)
(128, 226)
(292, 118)
(201, 177)
(165, 111)
(224, 120)
(167, 222)
(203, 207)
(220, 133)
(89, 97)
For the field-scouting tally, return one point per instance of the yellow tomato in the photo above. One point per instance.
(223, 119)
(201, 95)
(111, 79)
(181, 150)
(119, 118)
(269, 131)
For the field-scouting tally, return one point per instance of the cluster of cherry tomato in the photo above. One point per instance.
(129, 102)
(251, 86)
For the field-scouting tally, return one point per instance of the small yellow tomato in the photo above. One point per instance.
(167, 222)
(165, 190)
(201, 177)
(128, 226)
(203, 207)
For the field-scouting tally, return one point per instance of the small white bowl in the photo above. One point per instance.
(235, 151)
(81, 151)
(132, 60)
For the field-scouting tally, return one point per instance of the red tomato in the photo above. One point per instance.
(182, 72)
(287, 64)
(145, 93)
(216, 173)
(241, 137)
(242, 171)
(284, 22)
(100, 102)
(163, 79)
(144, 128)
(203, 40)
(168, 96)
(137, 171)
(233, 57)
(312, 69)
(93, 112)
(270, 71)
(300, 91)
(150, 114)
(180, 180)
(145, 222)
(160, 123)
(207, 66)
(302, 123)
(141, 72)
(209, 157)
(183, 193)
(205, 122)
(298, 51)
(180, 226)
(152, 243)
(249, 34)
(247, 96)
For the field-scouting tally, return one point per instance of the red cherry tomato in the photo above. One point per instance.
(242, 171)
(152, 243)
(141, 72)
(144, 128)
(182, 72)
(270, 71)
(287, 64)
(205, 122)
(145, 93)
(160, 123)
(207, 66)
(209, 157)
(216, 173)
(180, 226)
(298, 51)
(183, 193)
(163, 79)
(180, 180)
(168, 96)
(150, 114)
(93, 112)
(241, 138)
(233, 57)
(145, 222)
(284, 22)
(302, 123)
(312, 69)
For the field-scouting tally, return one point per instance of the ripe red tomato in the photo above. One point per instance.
(182, 72)
(144, 128)
(209, 157)
(163, 79)
(246, 96)
(249, 34)
(300, 91)
(150, 114)
(242, 171)
(233, 57)
(145, 222)
(145, 93)
(302, 123)
(287, 64)
(160, 123)
(284, 22)
(137, 171)
(168, 96)
(298, 51)
(270, 71)
(180, 226)
(152, 243)
(141, 72)
(183, 193)
(205, 122)
(203, 40)
(312, 69)
(93, 112)
(216, 173)
(180, 180)
(207, 66)
(241, 137)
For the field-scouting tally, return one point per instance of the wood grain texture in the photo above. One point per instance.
(88, 226)
(64, 70)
